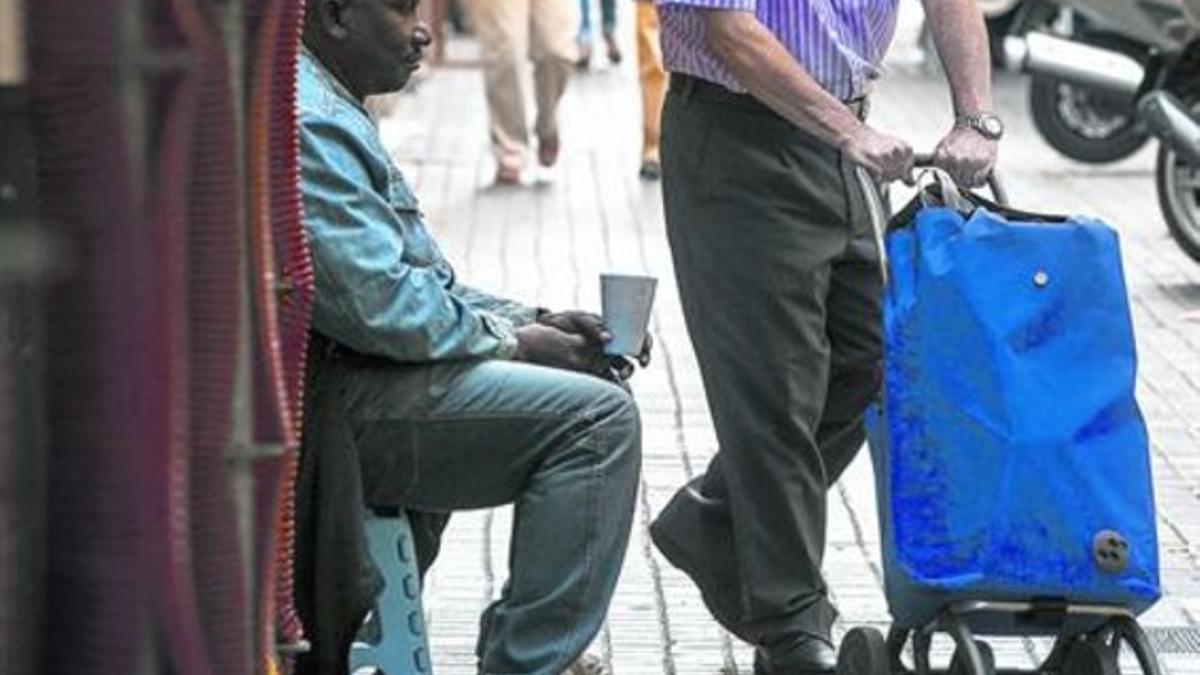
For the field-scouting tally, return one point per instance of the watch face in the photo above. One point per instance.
(992, 126)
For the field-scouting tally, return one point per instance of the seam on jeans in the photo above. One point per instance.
(587, 444)
(599, 481)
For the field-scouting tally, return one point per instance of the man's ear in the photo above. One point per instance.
(332, 16)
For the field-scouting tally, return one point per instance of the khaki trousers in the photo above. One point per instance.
(510, 31)
(651, 77)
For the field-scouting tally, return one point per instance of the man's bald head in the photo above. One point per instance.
(371, 46)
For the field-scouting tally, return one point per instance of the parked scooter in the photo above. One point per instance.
(1108, 75)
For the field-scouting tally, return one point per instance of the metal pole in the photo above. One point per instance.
(132, 56)
(242, 451)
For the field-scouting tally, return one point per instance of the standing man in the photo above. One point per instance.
(509, 32)
(779, 276)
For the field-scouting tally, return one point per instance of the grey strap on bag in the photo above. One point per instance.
(948, 195)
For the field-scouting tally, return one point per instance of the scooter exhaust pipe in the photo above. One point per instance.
(1170, 121)
(1076, 62)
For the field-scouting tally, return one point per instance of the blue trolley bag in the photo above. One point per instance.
(1011, 459)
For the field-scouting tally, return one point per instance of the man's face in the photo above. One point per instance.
(387, 42)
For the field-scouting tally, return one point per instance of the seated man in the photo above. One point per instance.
(457, 399)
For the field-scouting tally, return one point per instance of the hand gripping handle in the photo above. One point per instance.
(952, 195)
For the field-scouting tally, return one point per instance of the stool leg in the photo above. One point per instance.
(393, 638)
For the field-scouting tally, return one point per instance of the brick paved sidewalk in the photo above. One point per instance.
(547, 243)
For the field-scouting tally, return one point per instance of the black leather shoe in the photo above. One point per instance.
(808, 656)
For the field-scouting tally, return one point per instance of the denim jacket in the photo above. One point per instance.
(383, 286)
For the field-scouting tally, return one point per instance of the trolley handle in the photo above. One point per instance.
(994, 185)
(880, 216)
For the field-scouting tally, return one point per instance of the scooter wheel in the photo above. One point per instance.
(960, 665)
(1179, 189)
(1090, 657)
(863, 652)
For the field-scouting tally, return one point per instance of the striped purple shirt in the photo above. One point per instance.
(839, 42)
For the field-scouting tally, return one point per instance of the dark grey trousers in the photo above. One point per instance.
(779, 276)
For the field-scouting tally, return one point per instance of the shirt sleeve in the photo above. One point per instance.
(367, 296)
(516, 313)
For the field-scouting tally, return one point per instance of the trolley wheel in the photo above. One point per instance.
(864, 651)
(1128, 631)
(896, 639)
(960, 664)
(1090, 657)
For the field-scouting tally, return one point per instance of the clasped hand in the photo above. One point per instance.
(574, 340)
(963, 153)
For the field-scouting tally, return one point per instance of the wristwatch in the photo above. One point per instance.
(986, 124)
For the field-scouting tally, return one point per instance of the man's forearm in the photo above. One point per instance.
(516, 313)
(770, 73)
(962, 44)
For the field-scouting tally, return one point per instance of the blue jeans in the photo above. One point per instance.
(563, 447)
(608, 18)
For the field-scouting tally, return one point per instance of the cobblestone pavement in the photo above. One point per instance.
(547, 243)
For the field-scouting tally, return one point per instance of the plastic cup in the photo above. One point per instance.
(626, 300)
